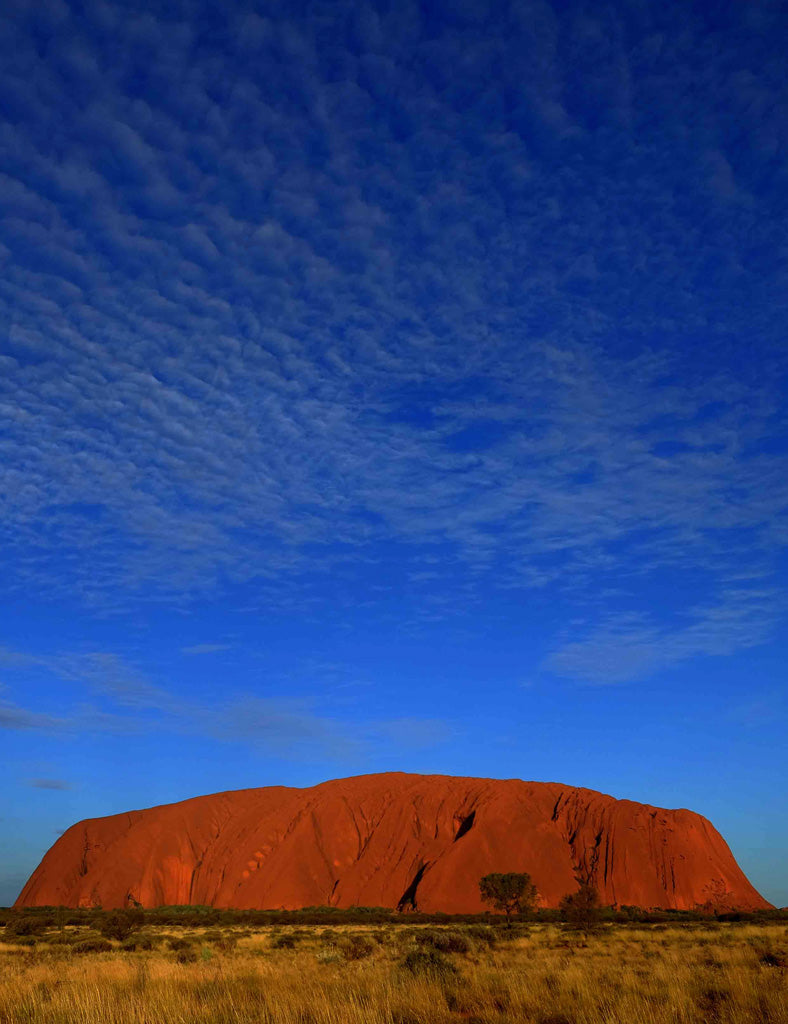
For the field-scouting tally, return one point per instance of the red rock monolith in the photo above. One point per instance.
(391, 840)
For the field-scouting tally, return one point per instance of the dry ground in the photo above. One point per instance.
(726, 974)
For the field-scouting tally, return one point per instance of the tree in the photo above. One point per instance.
(581, 908)
(513, 892)
(119, 924)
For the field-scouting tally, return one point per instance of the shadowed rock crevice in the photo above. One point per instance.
(408, 898)
(465, 825)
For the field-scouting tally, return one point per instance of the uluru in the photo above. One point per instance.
(391, 840)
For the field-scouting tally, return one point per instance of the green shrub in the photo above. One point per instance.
(428, 962)
(770, 955)
(357, 947)
(180, 945)
(142, 941)
(443, 941)
(184, 950)
(25, 926)
(329, 955)
(74, 938)
(513, 931)
(286, 941)
(92, 946)
(482, 934)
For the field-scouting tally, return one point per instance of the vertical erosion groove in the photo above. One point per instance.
(408, 898)
(465, 825)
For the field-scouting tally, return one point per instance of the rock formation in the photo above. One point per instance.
(392, 840)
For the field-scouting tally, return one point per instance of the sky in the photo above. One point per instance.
(393, 386)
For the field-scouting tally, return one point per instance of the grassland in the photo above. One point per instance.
(724, 973)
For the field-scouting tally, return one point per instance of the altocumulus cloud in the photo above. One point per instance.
(265, 324)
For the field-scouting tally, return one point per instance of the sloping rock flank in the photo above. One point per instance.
(393, 840)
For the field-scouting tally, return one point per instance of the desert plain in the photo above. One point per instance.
(663, 969)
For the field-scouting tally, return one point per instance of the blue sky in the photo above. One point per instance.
(393, 386)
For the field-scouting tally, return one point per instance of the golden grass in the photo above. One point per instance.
(731, 974)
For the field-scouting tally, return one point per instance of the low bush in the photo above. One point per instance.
(285, 941)
(70, 938)
(428, 962)
(135, 943)
(92, 946)
(184, 950)
(514, 931)
(443, 941)
(482, 934)
(329, 955)
(179, 945)
(357, 947)
(22, 926)
(770, 955)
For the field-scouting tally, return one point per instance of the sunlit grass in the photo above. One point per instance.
(730, 974)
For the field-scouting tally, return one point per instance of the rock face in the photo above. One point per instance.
(393, 840)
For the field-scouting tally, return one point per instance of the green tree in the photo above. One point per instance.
(513, 892)
(581, 908)
(119, 924)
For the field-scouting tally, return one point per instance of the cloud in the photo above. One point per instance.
(82, 719)
(59, 784)
(205, 649)
(286, 727)
(633, 646)
(345, 310)
(14, 717)
(415, 733)
(101, 671)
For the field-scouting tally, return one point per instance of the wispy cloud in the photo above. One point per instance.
(14, 717)
(101, 671)
(283, 726)
(205, 649)
(632, 646)
(58, 784)
(288, 728)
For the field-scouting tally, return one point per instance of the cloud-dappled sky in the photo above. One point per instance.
(393, 386)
